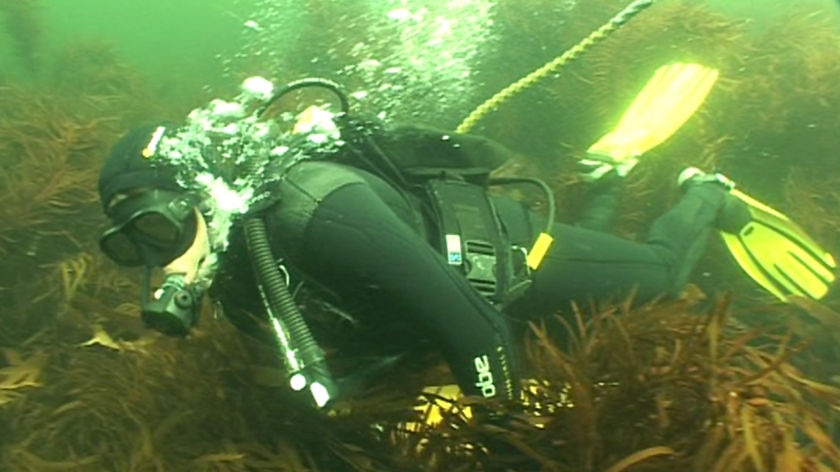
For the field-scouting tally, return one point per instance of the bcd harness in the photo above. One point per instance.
(471, 238)
(450, 175)
(467, 229)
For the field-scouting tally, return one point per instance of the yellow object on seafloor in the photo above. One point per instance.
(665, 103)
(437, 401)
(776, 253)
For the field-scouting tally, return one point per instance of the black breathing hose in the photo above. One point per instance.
(549, 194)
(304, 360)
(302, 354)
(303, 83)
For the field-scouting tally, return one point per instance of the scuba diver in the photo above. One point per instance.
(394, 227)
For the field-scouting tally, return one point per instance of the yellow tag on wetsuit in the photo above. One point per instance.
(538, 252)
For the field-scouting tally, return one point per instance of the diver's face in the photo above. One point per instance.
(189, 262)
(150, 227)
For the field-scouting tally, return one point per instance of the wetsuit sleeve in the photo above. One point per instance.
(353, 241)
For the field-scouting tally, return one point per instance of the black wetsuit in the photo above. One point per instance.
(371, 245)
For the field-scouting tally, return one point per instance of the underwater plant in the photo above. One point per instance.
(658, 387)
(728, 384)
(655, 388)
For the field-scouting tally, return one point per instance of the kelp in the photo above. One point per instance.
(686, 384)
(53, 136)
(654, 388)
(183, 405)
(18, 374)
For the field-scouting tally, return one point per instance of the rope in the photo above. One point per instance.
(596, 36)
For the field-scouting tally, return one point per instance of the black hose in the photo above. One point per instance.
(300, 351)
(283, 308)
(549, 194)
(303, 83)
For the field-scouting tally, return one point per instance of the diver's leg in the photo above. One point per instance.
(353, 242)
(682, 232)
(602, 203)
(584, 265)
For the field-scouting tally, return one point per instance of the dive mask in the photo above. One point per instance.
(150, 228)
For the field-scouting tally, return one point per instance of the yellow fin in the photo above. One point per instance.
(666, 102)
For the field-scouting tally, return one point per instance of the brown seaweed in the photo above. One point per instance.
(667, 386)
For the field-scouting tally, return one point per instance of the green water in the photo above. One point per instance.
(192, 39)
(162, 37)
(185, 39)
(776, 135)
(759, 9)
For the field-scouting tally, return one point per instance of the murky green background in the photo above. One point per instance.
(771, 124)
(189, 39)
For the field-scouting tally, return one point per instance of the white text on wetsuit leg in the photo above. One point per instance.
(485, 377)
